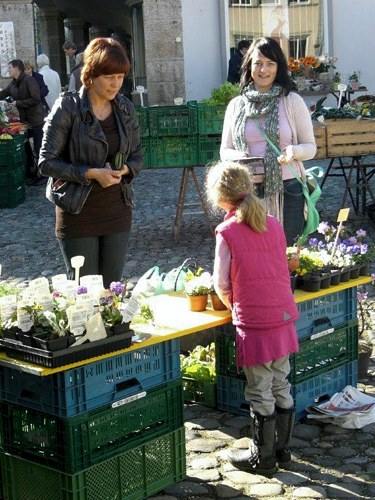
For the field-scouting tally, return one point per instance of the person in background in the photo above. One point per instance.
(234, 68)
(25, 92)
(51, 77)
(70, 50)
(75, 82)
(268, 106)
(44, 90)
(85, 133)
(250, 259)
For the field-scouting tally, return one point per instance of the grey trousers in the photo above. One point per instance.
(267, 385)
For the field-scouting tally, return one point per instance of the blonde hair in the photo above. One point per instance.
(231, 183)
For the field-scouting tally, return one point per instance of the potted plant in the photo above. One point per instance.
(197, 287)
(110, 303)
(354, 80)
(336, 80)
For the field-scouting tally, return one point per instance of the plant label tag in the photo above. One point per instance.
(342, 87)
(343, 215)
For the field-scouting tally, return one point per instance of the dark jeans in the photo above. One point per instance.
(104, 255)
(32, 156)
(294, 202)
(293, 209)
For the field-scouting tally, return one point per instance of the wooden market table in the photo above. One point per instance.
(174, 320)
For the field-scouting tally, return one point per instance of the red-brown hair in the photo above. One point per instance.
(103, 56)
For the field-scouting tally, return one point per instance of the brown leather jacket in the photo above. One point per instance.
(25, 91)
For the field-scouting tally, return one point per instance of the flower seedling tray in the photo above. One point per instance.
(73, 444)
(73, 354)
(134, 474)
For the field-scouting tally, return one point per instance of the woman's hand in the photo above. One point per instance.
(106, 177)
(287, 156)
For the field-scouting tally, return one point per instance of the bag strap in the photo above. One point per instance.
(310, 172)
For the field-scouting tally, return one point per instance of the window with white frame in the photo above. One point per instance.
(296, 24)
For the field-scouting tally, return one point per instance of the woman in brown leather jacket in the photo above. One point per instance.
(84, 137)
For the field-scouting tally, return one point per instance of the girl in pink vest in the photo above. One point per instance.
(251, 277)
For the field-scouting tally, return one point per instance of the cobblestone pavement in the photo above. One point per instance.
(329, 462)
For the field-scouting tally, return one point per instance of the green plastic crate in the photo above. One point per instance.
(145, 143)
(172, 120)
(173, 151)
(198, 391)
(12, 151)
(12, 197)
(73, 444)
(208, 148)
(143, 119)
(11, 177)
(321, 352)
(133, 475)
(210, 117)
(324, 351)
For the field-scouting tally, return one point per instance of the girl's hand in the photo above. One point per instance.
(125, 170)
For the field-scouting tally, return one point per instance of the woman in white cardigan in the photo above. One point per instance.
(268, 103)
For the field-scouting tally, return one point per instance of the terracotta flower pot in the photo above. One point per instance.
(217, 304)
(197, 302)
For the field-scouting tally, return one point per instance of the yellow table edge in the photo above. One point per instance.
(201, 321)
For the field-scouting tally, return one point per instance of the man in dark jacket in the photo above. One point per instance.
(24, 90)
(234, 69)
(29, 70)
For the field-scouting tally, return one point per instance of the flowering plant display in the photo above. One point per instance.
(308, 66)
(325, 63)
(198, 283)
(110, 302)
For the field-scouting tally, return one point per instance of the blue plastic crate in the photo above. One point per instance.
(230, 395)
(323, 386)
(331, 310)
(230, 390)
(90, 386)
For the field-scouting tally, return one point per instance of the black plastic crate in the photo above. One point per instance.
(12, 151)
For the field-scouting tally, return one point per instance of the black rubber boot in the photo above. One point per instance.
(284, 429)
(260, 458)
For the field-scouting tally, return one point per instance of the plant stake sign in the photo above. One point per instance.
(77, 262)
(342, 217)
(342, 88)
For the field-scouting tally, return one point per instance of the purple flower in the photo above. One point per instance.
(361, 233)
(117, 287)
(363, 248)
(313, 242)
(81, 290)
(353, 240)
(362, 296)
(323, 228)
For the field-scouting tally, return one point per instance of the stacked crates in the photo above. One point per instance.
(171, 140)
(327, 330)
(210, 125)
(12, 171)
(107, 429)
